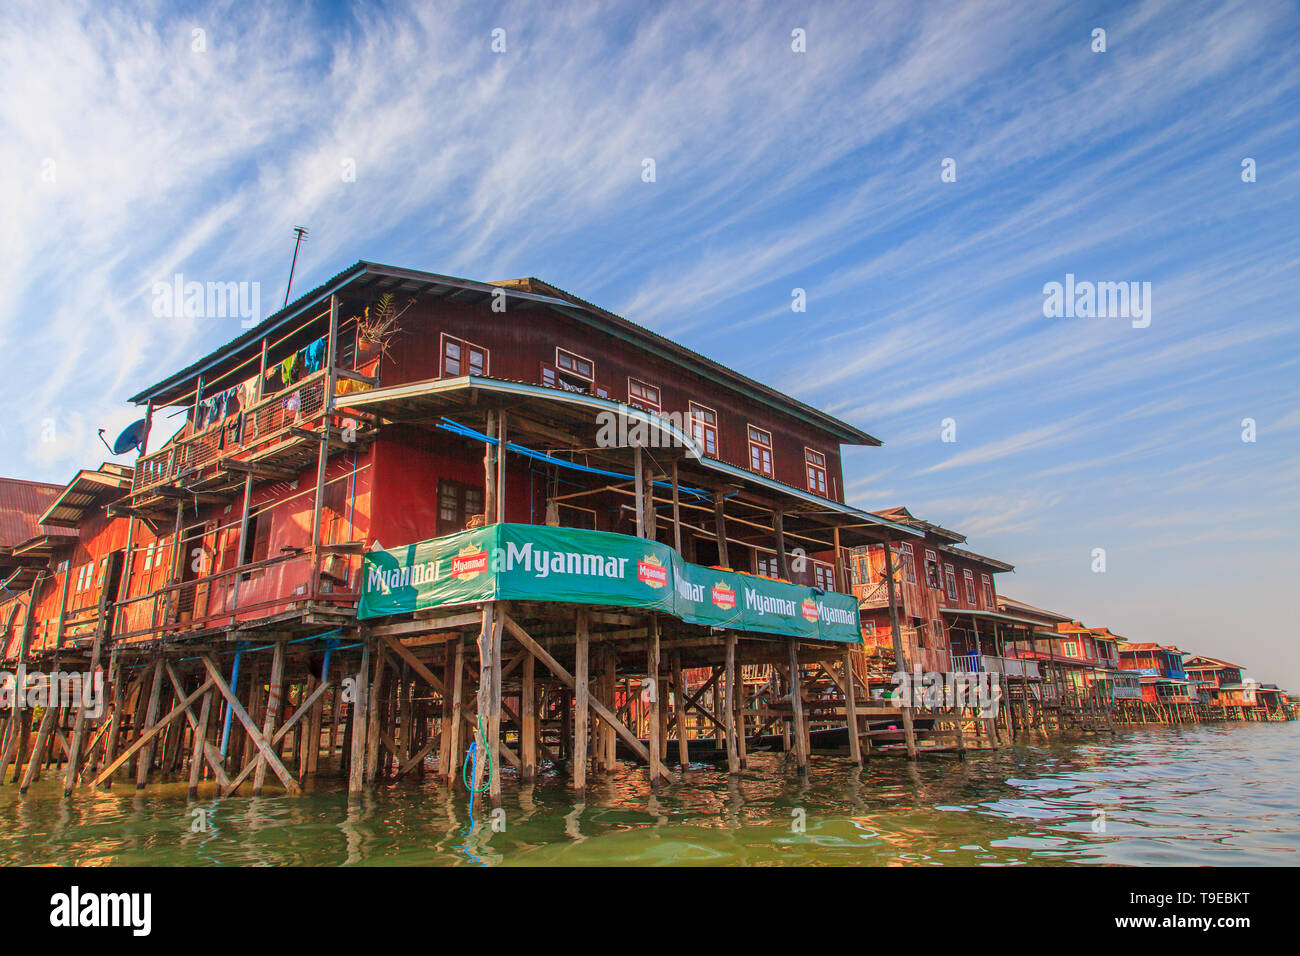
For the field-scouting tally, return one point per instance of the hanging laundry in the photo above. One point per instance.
(312, 356)
(289, 369)
(346, 386)
(292, 403)
(272, 382)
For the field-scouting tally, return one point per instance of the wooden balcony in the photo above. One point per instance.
(275, 440)
(872, 596)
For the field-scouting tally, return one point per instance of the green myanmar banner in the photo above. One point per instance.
(518, 562)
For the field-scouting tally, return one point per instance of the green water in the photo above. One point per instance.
(1213, 795)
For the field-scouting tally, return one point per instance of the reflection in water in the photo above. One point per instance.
(1200, 795)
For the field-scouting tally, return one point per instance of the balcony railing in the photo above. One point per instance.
(261, 426)
(241, 594)
(1009, 666)
(230, 597)
(874, 595)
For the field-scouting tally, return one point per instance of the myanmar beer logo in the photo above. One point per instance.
(810, 612)
(651, 571)
(723, 596)
(469, 563)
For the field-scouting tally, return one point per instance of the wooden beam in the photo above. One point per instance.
(236, 708)
(210, 751)
(416, 664)
(152, 731)
(272, 710)
(679, 704)
(799, 730)
(279, 735)
(528, 720)
(652, 718)
(729, 706)
(200, 731)
(449, 762)
(581, 730)
(720, 528)
(554, 666)
(357, 722)
(900, 659)
(851, 708)
(144, 764)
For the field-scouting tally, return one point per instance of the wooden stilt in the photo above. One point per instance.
(455, 748)
(272, 713)
(79, 723)
(741, 745)
(357, 723)
(729, 706)
(565, 678)
(798, 724)
(150, 733)
(528, 720)
(851, 708)
(494, 699)
(580, 707)
(375, 708)
(483, 699)
(200, 740)
(652, 671)
(250, 728)
(900, 658)
(144, 763)
(605, 733)
(679, 705)
(38, 751)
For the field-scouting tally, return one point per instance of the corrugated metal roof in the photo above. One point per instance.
(86, 491)
(21, 505)
(1026, 608)
(391, 278)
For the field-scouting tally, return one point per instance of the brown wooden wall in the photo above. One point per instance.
(520, 342)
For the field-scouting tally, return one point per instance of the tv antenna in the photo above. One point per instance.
(301, 233)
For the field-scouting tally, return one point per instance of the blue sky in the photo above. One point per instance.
(127, 155)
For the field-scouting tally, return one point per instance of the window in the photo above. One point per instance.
(860, 565)
(869, 628)
(950, 579)
(823, 576)
(968, 579)
(767, 566)
(908, 561)
(257, 541)
(760, 451)
(574, 365)
(643, 396)
(81, 577)
(704, 428)
(457, 503)
(816, 464)
(1070, 649)
(462, 358)
(932, 569)
(148, 555)
(989, 601)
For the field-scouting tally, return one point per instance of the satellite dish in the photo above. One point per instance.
(132, 437)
